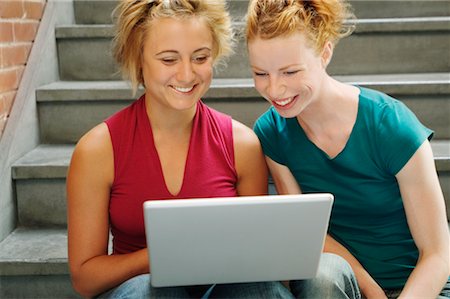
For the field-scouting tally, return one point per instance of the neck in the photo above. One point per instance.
(165, 119)
(334, 107)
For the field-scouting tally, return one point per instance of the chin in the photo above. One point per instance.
(287, 114)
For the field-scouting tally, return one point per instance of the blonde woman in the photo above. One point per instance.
(165, 145)
(368, 149)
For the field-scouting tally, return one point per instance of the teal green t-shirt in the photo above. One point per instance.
(368, 217)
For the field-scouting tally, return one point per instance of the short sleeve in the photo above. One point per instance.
(267, 131)
(399, 135)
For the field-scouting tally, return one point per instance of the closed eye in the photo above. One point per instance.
(259, 74)
(291, 72)
(201, 59)
(169, 61)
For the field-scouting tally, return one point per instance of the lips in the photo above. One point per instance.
(183, 89)
(284, 103)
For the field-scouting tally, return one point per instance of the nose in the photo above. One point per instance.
(276, 88)
(186, 72)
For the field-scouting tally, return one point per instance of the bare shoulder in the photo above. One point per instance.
(97, 141)
(244, 136)
(249, 161)
(93, 153)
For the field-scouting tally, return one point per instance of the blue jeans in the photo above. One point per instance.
(335, 279)
(139, 287)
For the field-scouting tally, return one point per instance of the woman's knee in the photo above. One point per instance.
(136, 287)
(334, 267)
(335, 278)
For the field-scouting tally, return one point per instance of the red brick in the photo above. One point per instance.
(6, 101)
(11, 9)
(25, 31)
(9, 79)
(2, 103)
(15, 54)
(6, 31)
(34, 9)
(19, 73)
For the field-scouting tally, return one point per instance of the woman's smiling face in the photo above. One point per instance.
(286, 71)
(177, 62)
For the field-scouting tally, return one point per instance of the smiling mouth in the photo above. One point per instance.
(284, 102)
(183, 89)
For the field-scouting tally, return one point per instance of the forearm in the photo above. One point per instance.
(427, 279)
(102, 273)
(368, 286)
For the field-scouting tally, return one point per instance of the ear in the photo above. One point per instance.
(327, 54)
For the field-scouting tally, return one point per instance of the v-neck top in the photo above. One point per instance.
(368, 216)
(209, 169)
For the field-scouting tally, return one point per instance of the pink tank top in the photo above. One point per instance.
(209, 170)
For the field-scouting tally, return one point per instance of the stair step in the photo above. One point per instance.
(40, 182)
(378, 46)
(33, 264)
(60, 104)
(99, 11)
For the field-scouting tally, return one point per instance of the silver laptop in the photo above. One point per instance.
(236, 239)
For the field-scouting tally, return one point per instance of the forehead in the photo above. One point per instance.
(288, 49)
(178, 34)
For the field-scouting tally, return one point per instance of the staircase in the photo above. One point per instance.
(399, 47)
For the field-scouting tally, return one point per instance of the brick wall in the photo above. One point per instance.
(19, 21)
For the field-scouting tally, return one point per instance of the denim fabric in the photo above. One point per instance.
(335, 279)
(139, 287)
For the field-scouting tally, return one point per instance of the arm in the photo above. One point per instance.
(286, 184)
(89, 180)
(249, 162)
(425, 211)
(368, 286)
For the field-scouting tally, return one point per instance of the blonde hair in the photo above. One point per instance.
(320, 20)
(134, 19)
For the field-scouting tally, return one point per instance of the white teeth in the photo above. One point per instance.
(183, 89)
(284, 102)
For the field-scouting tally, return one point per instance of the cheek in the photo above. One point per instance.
(259, 84)
(206, 71)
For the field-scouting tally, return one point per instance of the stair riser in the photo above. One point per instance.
(47, 204)
(361, 53)
(99, 11)
(386, 53)
(37, 286)
(433, 113)
(399, 8)
(41, 202)
(60, 122)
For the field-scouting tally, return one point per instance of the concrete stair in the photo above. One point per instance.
(61, 103)
(399, 47)
(100, 11)
(33, 264)
(411, 45)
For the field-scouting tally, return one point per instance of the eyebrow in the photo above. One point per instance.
(291, 65)
(176, 52)
(281, 69)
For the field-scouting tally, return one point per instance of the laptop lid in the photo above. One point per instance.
(236, 239)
